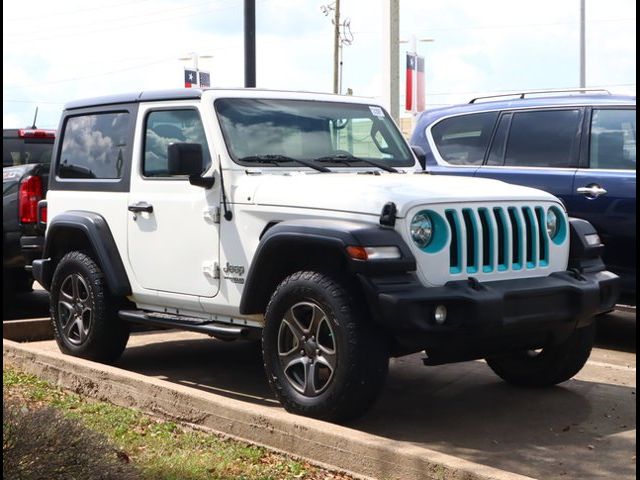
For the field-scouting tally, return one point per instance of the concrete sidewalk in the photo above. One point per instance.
(358, 453)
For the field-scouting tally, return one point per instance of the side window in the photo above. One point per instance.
(542, 138)
(164, 127)
(94, 146)
(463, 140)
(613, 139)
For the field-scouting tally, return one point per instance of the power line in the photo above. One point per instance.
(84, 77)
(57, 35)
(72, 12)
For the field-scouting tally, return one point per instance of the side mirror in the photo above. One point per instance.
(186, 159)
(419, 153)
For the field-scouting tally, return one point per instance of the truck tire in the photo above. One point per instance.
(548, 366)
(83, 311)
(321, 357)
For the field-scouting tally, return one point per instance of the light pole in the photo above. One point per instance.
(583, 69)
(195, 57)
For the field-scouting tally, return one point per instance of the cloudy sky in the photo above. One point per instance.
(54, 52)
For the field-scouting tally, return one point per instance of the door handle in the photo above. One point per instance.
(140, 207)
(593, 191)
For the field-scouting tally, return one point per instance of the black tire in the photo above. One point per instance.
(344, 356)
(84, 312)
(549, 366)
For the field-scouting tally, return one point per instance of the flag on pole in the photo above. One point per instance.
(205, 79)
(410, 84)
(420, 84)
(190, 78)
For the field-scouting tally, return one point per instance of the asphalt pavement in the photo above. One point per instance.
(583, 429)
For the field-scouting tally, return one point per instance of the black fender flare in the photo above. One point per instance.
(332, 235)
(96, 229)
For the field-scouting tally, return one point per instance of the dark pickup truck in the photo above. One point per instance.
(26, 156)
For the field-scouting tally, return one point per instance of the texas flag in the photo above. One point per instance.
(415, 83)
(205, 79)
(410, 84)
(420, 84)
(190, 78)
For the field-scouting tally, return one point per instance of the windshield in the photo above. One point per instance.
(335, 134)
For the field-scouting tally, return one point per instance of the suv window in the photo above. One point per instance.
(93, 146)
(613, 139)
(539, 139)
(463, 140)
(164, 127)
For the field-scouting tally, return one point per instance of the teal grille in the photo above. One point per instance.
(497, 239)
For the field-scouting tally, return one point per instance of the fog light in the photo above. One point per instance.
(440, 315)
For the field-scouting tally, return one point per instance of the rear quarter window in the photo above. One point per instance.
(94, 146)
(463, 140)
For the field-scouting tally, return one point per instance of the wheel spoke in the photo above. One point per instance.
(310, 379)
(69, 326)
(328, 359)
(75, 287)
(294, 325)
(287, 359)
(318, 317)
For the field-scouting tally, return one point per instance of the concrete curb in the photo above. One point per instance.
(31, 330)
(360, 454)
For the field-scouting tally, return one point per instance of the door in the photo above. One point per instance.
(173, 234)
(605, 189)
(536, 148)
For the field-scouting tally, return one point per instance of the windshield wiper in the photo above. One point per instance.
(277, 159)
(349, 159)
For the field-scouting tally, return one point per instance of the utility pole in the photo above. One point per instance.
(583, 68)
(391, 55)
(336, 46)
(249, 43)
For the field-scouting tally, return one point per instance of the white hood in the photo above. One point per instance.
(367, 193)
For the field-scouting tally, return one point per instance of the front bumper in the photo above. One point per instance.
(488, 318)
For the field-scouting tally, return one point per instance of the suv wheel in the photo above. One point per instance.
(548, 366)
(84, 313)
(321, 358)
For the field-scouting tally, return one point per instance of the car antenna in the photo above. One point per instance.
(35, 117)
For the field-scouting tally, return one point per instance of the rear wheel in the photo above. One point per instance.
(321, 357)
(547, 366)
(84, 312)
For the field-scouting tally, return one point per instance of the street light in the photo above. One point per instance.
(195, 57)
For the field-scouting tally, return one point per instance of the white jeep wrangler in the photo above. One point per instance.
(303, 220)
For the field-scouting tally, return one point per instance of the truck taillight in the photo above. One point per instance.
(29, 195)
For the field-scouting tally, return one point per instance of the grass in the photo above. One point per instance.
(159, 449)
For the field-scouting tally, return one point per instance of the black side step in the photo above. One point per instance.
(192, 324)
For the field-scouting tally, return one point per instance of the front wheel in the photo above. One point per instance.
(548, 366)
(84, 313)
(321, 357)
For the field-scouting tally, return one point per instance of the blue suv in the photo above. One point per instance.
(576, 145)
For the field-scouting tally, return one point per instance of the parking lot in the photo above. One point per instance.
(584, 428)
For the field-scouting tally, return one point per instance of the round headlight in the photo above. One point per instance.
(552, 223)
(421, 230)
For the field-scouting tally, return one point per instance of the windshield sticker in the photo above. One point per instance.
(377, 111)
